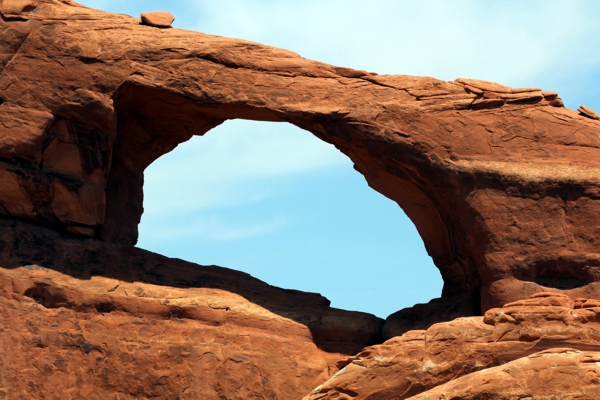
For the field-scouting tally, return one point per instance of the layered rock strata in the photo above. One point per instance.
(552, 374)
(82, 319)
(501, 183)
(542, 347)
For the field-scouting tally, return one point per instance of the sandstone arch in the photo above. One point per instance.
(501, 183)
(158, 121)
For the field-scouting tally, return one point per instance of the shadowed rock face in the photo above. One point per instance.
(114, 321)
(501, 183)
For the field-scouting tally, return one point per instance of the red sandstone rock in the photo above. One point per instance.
(588, 112)
(465, 351)
(106, 338)
(497, 214)
(422, 316)
(501, 183)
(98, 322)
(551, 374)
(159, 19)
(18, 6)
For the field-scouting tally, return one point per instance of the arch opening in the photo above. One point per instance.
(152, 122)
(273, 201)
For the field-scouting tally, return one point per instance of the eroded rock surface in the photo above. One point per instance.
(502, 184)
(551, 374)
(458, 357)
(159, 19)
(88, 320)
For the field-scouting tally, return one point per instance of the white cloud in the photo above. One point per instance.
(507, 41)
(237, 163)
(207, 228)
(511, 42)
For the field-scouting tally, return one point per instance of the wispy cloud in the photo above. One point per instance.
(506, 41)
(512, 42)
(237, 163)
(208, 228)
(187, 192)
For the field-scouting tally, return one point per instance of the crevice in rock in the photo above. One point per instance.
(44, 294)
(105, 307)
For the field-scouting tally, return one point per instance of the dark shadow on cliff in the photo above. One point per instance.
(23, 244)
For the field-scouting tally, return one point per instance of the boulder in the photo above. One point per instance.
(159, 19)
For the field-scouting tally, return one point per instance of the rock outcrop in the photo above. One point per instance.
(502, 184)
(158, 19)
(552, 374)
(517, 351)
(87, 320)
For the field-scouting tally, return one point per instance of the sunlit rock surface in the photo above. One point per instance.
(546, 345)
(502, 184)
(97, 321)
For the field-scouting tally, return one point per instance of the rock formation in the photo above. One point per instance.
(114, 321)
(518, 351)
(159, 19)
(502, 184)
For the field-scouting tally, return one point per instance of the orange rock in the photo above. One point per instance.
(588, 112)
(461, 354)
(18, 6)
(548, 95)
(490, 206)
(485, 85)
(110, 321)
(159, 19)
(590, 303)
(544, 299)
(14, 198)
(579, 302)
(555, 373)
(501, 183)
(474, 89)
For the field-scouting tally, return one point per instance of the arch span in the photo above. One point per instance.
(152, 122)
(274, 201)
(498, 181)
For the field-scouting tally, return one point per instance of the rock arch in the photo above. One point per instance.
(151, 122)
(501, 183)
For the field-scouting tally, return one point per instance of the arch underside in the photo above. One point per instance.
(153, 122)
(501, 183)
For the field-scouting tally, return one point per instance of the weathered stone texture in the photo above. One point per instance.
(159, 19)
(93, 321)
(469, 357)
(551, 374)
(502, 184)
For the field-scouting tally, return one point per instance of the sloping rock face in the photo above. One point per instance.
(514, 352)
(502, 184)
(538, 376)
(118, 322)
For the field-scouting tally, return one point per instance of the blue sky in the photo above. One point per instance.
(272, 200)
